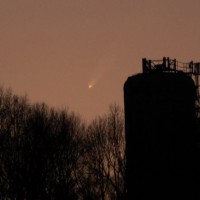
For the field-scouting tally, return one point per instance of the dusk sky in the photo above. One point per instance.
(52, 50)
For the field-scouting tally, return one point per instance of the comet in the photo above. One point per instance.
(91, 85)
(101, 68)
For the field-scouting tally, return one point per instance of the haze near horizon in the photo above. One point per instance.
(78, 54)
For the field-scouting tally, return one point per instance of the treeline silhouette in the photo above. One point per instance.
(46, 153)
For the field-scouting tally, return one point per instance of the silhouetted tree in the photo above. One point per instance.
(38, 150)
(62, 183)
(13, 116)
(103, 159)
(46, 153)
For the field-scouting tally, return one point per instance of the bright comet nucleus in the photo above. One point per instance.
(90, 86)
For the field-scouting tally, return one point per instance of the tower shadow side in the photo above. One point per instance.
(161, 136)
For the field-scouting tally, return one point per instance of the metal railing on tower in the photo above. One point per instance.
(167, 65)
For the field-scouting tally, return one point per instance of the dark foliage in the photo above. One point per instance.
(51, 154)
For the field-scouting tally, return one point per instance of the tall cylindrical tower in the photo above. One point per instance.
(161, 135)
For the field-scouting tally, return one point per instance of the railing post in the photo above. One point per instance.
(150, 64)
(175, 65)
(168, 63)
(144, 65)
(191, 67)
(164, 63)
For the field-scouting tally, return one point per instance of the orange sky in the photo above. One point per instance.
(52, 49)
